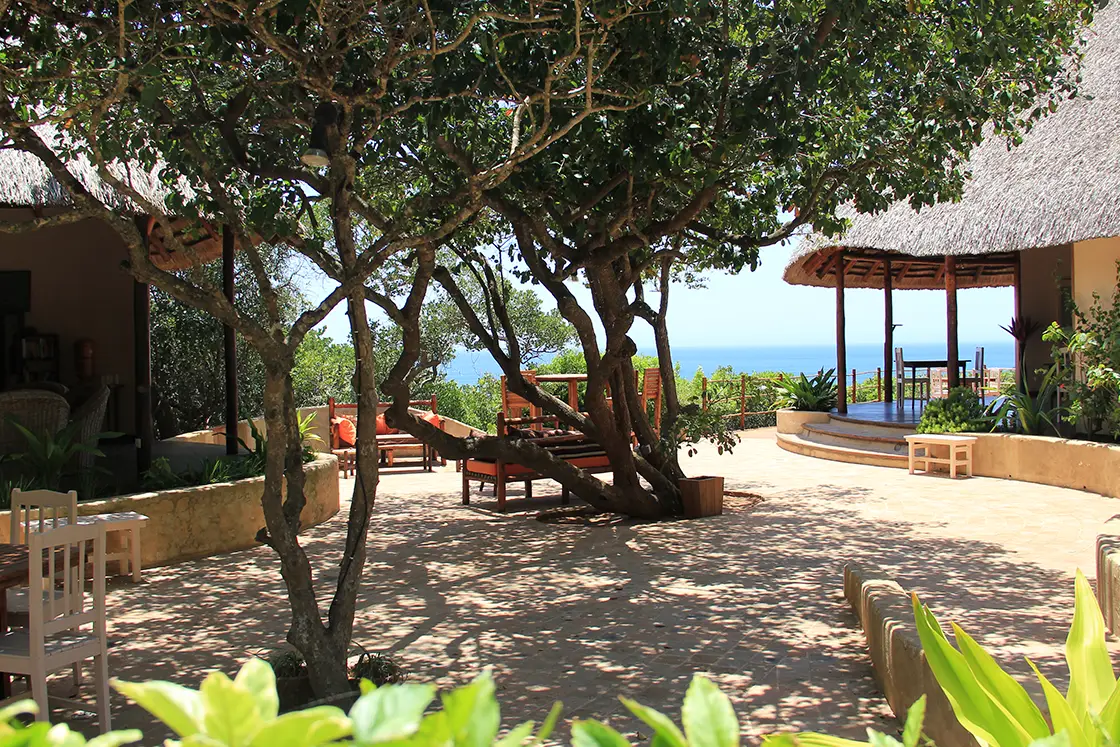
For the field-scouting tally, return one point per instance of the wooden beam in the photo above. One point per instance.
(888, 332)
(229, 342)
(142, 357)
(954, 373)
(841, 342)
(1017, 283)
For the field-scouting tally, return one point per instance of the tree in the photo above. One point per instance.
(201, 110)
(188, 398)
(771, 116)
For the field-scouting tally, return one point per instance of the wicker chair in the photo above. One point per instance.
(37, 410)
(90, 415)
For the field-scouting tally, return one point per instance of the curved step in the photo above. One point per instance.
(869, 438)
(906, 427)
(838, 453)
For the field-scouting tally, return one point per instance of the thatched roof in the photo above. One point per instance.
(1061, 185)
(25, 182)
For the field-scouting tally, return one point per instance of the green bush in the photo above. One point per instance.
(961, 411)
(817, 394)
(244, 712)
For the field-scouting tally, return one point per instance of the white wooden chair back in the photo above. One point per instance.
(51, 553)
(40, 510)
(938, 383)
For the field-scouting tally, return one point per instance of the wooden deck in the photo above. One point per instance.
(887, 413)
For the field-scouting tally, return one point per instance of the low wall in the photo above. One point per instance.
(1062, 462)
(1108, 580)
(884, 611)
(209, 519)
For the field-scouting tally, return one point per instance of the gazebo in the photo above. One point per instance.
(1042, 217)
(70, 287)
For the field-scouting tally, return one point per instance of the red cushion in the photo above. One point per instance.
(434, 419)
(346, 430)
(383, 428)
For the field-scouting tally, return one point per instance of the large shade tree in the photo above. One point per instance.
(776, 115)
(215, 103)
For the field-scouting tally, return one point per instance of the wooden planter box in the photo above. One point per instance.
(702, 496)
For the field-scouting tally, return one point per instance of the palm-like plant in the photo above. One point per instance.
(47, 457)
(817, 394)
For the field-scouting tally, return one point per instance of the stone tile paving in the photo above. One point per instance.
(584, 614)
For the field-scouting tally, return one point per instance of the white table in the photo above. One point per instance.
(959, 451)
(129, 524)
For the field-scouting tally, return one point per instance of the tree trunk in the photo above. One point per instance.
(326, 661)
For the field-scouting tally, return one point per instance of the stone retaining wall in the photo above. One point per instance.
(209, 519)
(1108, 580)
(885, 612)
(1061, 462)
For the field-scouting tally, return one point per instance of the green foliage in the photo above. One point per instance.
(911, 734)
(959, 412)
(817, 394)
(1093, 385)
(1039, 413)
(996, 709)
(323, 369)
(47, 458)
(192, 397)
(697, 424)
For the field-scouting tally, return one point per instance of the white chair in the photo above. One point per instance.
(938, 383)
(51, 510)
(59, 634)
(37, 511)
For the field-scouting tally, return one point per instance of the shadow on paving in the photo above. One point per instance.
(585, 614)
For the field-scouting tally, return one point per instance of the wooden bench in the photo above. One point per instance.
(959, 450)
(387, 444)
(573, 448)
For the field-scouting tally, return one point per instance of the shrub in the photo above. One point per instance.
(817, 394)
(959, 412)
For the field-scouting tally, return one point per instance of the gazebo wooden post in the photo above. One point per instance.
(841, 342)
(142, 355)
(888, 330)
(230, 342)
(954, 373)
(1017, 270)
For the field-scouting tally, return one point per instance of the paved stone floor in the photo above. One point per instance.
(584, 614)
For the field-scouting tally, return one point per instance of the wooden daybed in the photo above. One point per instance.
(387, 443)
(573, 447)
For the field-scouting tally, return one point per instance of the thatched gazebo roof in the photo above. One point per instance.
(25, 182)
(1061, 185)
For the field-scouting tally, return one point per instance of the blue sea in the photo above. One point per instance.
(865, 358)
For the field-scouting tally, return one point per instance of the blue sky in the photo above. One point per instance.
(760, 309)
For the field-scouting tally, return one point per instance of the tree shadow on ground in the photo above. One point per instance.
(584, 614)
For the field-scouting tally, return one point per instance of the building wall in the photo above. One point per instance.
(1094, 270)
(1045, 273)
(79, 291)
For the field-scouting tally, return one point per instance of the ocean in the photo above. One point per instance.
(864, 357)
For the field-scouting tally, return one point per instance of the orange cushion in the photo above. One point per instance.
(347, 431)
(383, 428)
(434, 419)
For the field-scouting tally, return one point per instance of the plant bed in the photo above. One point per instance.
(293, 685)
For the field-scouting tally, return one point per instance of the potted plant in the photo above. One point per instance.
(703, 496)
(806, 400)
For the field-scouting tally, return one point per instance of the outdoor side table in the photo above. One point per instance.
(128, 524)
(959, 450)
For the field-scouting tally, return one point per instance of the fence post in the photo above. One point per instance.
(879, 384)
(742, 401)
(704, 393)
(855, 386)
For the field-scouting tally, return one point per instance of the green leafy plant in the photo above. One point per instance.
(817, 394)
(697, 424)
(997, 710)
(160, 476)
(379, 668)
(47, 458)
(959, 412)
(1036, 414)
(911, 734)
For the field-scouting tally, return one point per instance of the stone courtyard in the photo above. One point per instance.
(583, 614)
